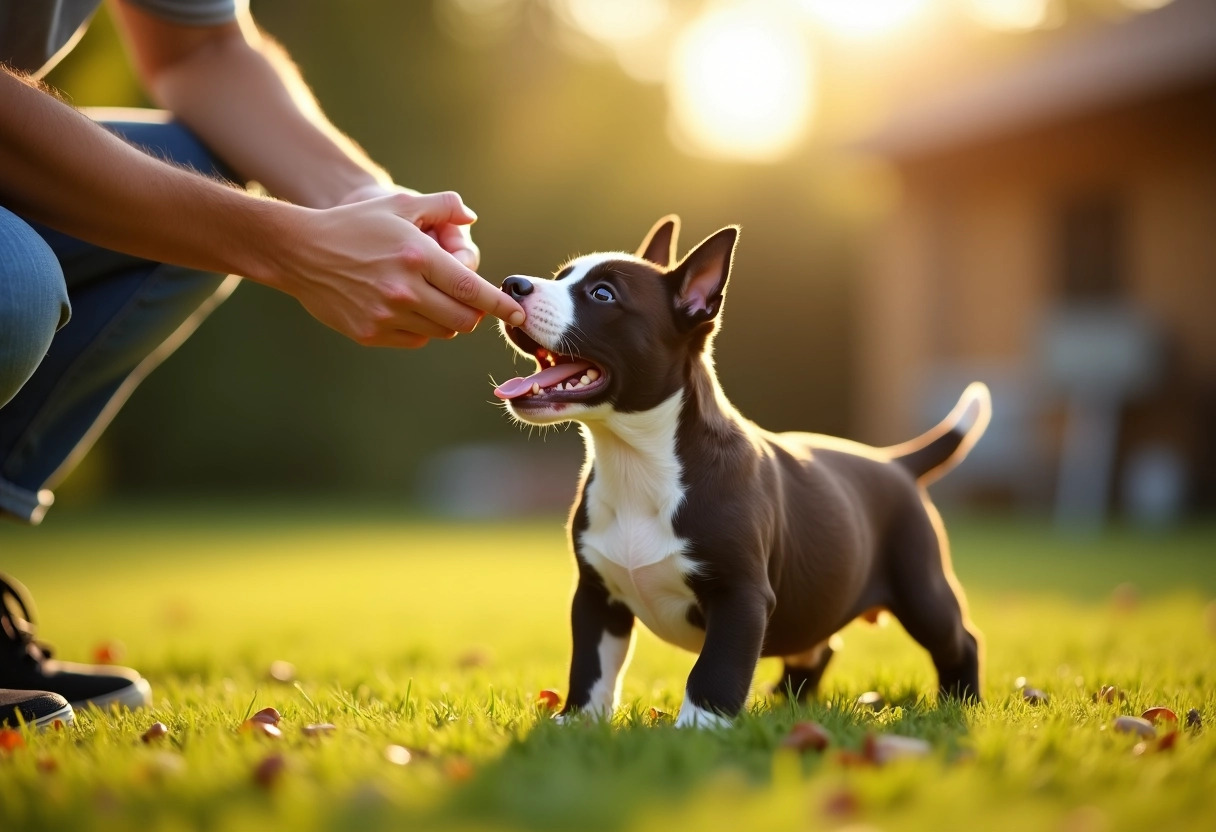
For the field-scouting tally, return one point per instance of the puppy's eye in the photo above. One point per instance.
(603, 294)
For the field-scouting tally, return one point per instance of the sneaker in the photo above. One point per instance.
(39, 708)
(26, 664)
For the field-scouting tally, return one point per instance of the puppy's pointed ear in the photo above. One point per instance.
(700, 278)
(659, 247)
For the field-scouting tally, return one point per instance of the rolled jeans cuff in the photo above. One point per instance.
(23, 504)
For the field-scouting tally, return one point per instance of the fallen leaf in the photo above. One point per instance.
(1135, 725)
(842, 803)
(872, 699)
(458, 768)
(11, 740)
(1034, 696)
(807, 736)
(269, 770)
(1159, 714)
(156, 731)
(261, 729)
(267, 715)
(852, 759)
(109, 652)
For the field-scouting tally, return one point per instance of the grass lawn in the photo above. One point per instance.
(438, 638)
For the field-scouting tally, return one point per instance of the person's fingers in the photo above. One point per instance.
(429, 210)
(425, 322)
(445, 311)
(447, 275)
(457, 240)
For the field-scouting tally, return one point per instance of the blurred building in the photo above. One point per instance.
(1055, 236)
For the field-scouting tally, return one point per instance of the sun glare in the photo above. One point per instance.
(1011, 15)
(865, 18)
(619, 20)
(741, 84)
(637, 32)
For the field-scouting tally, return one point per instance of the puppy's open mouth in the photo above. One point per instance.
(559, 378)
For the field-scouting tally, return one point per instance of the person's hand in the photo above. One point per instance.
(370, 271)
(454, 237)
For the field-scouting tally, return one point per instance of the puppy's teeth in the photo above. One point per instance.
(535, 388)
(585, 380)
(592, 374)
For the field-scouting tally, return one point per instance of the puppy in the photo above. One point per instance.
(721, 537)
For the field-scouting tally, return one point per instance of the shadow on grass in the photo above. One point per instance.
(598, 776)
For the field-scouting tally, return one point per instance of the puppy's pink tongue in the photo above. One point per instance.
(517, 387)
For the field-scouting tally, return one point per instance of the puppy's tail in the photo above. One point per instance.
(933, 454)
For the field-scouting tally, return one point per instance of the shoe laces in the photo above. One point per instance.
(17, 622)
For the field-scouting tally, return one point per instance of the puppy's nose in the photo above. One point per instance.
(517, 286)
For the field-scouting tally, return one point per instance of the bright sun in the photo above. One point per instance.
(741, 84)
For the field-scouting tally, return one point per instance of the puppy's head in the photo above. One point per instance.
(616, 332)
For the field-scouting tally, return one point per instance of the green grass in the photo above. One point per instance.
(438, 637)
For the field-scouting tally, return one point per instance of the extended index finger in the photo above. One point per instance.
(446, 274)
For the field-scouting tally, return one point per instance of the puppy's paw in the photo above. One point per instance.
(693, 717)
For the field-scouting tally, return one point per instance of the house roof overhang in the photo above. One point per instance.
(1132, 60)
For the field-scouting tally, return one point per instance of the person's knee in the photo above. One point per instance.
(33, 302)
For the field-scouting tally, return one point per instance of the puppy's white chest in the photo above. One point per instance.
(656, 593)
(630, 540)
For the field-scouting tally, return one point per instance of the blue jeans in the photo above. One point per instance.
(80, 327)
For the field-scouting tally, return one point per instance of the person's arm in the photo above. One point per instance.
(265, 124)
(243, 97)
(364, 269)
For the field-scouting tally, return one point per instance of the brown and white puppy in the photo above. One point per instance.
(719, 536)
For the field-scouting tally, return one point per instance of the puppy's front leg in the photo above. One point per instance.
(603, 638)
(735, 623)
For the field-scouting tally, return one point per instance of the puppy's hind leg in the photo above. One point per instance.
(801, 674)
(929, 603)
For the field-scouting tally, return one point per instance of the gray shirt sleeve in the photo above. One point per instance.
(191, 12)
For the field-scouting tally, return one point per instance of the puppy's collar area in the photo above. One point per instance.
(559, 377)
